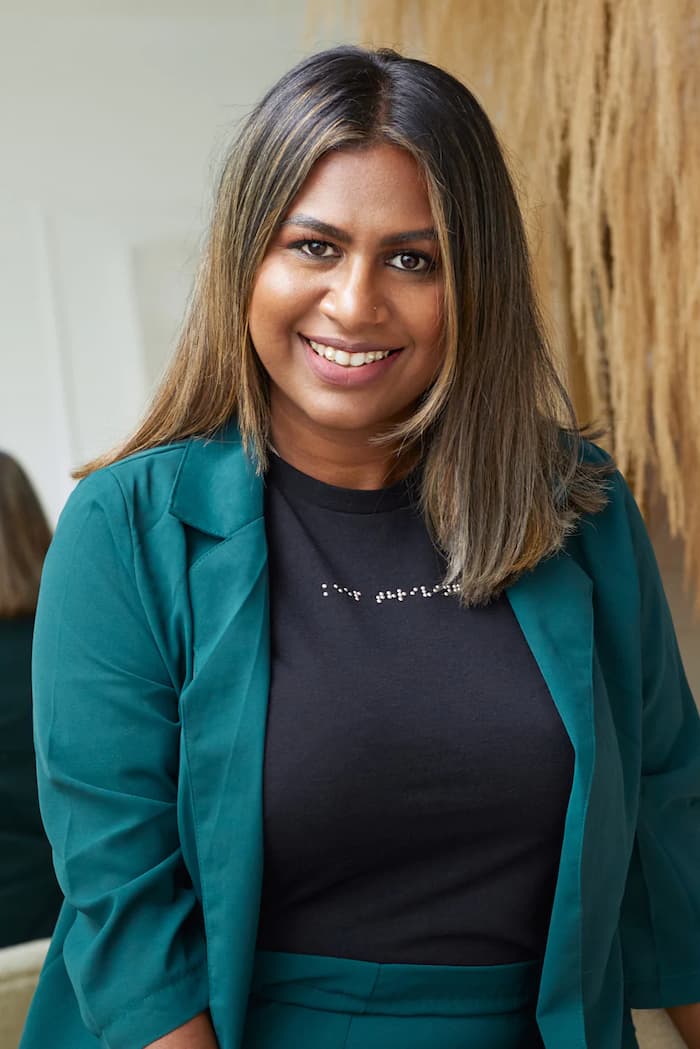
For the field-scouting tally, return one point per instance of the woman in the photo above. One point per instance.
(343, 660)
(29, 896)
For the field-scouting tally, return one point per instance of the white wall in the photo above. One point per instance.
(113, 118)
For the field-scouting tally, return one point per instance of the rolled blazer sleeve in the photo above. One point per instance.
(107, 742)
(660, 921)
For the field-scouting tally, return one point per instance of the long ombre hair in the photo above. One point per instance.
(24, 539)
(504, 478)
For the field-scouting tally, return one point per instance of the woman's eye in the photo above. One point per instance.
(318, 249)
(411, 262)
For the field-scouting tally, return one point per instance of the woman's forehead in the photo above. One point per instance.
(379, 187)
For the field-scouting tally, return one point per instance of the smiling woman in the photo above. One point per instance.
(348, 329)
(360, 717)
(326, 128)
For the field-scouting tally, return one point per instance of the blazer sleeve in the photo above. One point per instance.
(660, 920)
(107, 743)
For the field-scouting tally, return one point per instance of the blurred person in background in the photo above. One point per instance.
(29, 895)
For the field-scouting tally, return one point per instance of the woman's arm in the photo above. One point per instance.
(107, 735)
(660, 913)
(198, 1033)
(687, 1020)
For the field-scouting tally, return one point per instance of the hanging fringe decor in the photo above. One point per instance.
(598, 105)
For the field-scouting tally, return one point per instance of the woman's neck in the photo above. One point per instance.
(347, 460)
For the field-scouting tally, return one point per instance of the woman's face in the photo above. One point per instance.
(345, 311)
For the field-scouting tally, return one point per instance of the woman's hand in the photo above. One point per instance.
(687, 1020)
(197, 1033)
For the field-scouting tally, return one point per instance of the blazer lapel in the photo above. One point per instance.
(224, 708)
(553, 605)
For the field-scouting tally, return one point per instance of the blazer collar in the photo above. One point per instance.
(217, 489)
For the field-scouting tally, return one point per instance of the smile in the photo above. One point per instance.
(355, 359)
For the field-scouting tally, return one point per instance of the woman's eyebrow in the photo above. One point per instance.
(326, 230)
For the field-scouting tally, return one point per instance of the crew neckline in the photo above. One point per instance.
(295, 484)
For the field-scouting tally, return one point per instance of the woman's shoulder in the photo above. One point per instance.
(617, 535)
(593, 453)
(139, 485)
(583, 442)
(201, 479)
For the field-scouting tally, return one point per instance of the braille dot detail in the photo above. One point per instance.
(446, 589)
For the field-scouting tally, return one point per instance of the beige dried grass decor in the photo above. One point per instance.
(598, 105)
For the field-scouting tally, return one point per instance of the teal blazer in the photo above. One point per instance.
(151, 681)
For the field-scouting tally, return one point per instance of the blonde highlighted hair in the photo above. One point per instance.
(504, 478)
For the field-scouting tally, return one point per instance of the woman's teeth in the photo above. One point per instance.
(345, 359)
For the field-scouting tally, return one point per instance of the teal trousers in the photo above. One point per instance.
(317, 1002)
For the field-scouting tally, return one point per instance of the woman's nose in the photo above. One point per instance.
(354, 297)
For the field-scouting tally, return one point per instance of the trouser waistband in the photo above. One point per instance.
(347, 985)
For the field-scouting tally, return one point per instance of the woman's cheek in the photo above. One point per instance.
(286, 280)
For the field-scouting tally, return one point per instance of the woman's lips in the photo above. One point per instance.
(350, 347)
(345, 373)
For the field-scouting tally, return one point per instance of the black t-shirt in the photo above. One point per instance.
(416, 770)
